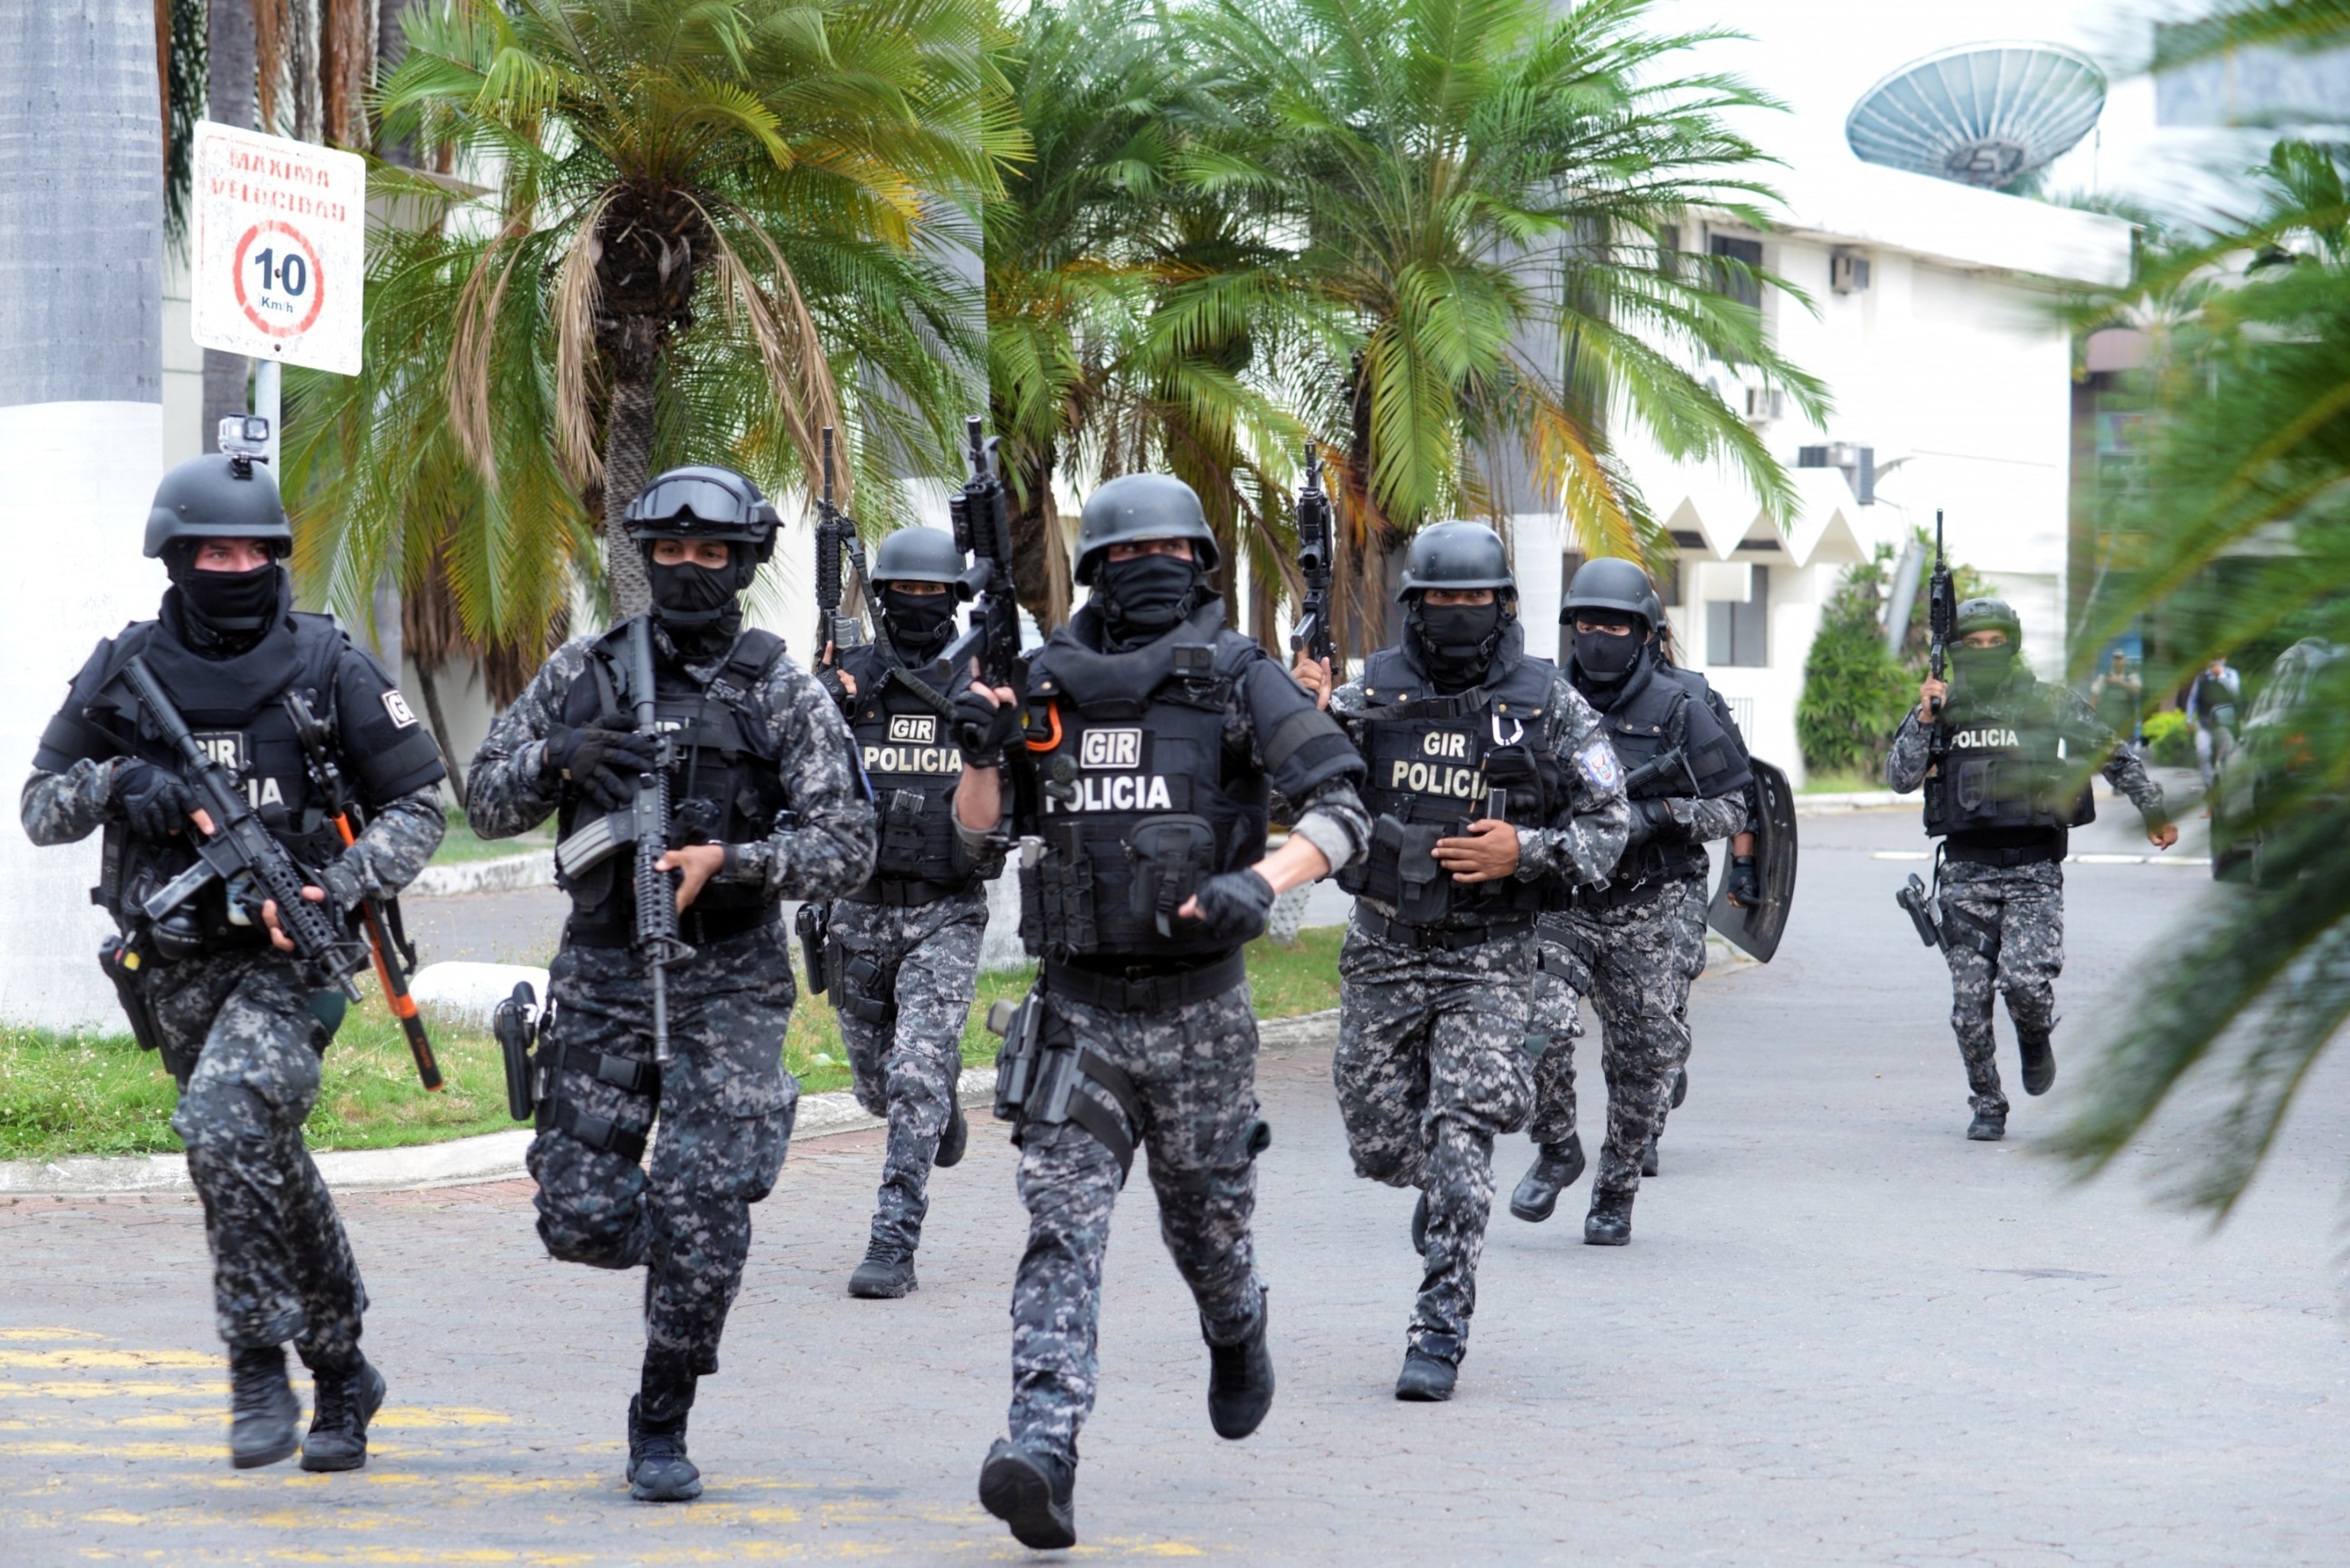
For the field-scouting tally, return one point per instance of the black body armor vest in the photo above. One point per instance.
(1138, 800)
(1665, 711)
(906, 743)
(1998, 778)
(1435, 764)
(724, 788)
(236, 708)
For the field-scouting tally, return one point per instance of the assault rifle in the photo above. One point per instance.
(242, 852)
(1941, 613)
(658, 942)
(1313, 554)
(835, 534)
(380, 919)
(982, 525)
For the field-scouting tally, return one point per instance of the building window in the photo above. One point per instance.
(1742, 286)
(1737, 635)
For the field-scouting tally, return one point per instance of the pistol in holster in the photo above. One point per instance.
(519, 1024)
(126, 962)
(1920, 907)
(814, 925)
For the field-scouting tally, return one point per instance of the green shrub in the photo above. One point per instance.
(2169, 740)
(1854, 693)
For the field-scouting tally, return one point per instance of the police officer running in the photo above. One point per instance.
(1150, 736)
(1494, 791)
(1986, 748)
(766, 804)
(215, 983)
(904, 953)
(1634, 945)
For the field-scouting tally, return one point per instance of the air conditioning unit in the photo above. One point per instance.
(1848, 272)
(1764, 404)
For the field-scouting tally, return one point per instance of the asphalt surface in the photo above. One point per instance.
(1842, 1334)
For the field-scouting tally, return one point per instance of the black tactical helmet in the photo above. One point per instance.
(1136, 507)
(704, 503)
(217, 497)
(1456, 556)
(1989, 614)
(1612, 583)
(920, 555)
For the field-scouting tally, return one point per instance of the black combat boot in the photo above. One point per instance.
(1555, 1169)
(1648, 1155)
(343, 1406)
(1420, 1224)
(886, 1273)
(955, 1137)
(1034, 1493)
(1680, 1087)
(262, 1408)
(1609, 1223)
(1240, 1379)
(1425, 1380)
(2039, 1061)
(1989, 1125)
(659, 1471)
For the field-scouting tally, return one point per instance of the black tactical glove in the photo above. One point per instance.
(1745, 882)
(154, 801)
(600, 759)
(1235, 905)
(828, 677)
(1651, 820)
(982, 730)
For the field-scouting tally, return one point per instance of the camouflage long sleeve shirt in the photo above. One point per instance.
(67, 807)
(2085, 735)
(1585, 836)
(825, 850)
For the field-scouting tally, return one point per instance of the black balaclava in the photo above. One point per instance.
(1603, 663)
(1977, 673)
(1456, 641)
(1145, 598)
(225, 612)
(700, 607)
(919, 624)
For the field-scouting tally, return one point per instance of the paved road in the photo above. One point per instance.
(1843, 1334)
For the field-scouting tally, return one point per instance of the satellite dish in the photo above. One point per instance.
(1981, 114)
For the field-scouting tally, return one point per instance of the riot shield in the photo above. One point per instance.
(1757, 931)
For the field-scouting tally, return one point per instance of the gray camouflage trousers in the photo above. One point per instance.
(1639, 959)
(282, 1267)
(725, 1108)
(906, 1066)
(1193, 1068)
(1430, 1068)
(2021, 909)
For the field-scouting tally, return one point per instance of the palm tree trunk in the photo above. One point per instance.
(635, 346)
(1040, 561)
(229, 47)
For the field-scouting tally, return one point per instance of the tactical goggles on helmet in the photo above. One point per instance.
(697, 506)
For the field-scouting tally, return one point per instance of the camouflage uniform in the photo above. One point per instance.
(1431, 1061)
(1191, 1065)
(237, 1026)
(2019, 909)
(906, 1068)
(725, 1103)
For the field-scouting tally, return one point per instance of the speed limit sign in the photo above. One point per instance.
(280, 248)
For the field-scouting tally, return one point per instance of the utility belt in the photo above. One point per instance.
(1446, 938)
(1618, 895)
(2009, 857)
(616, 926)
(533, 1065)
(904, 895)
(1146, 992)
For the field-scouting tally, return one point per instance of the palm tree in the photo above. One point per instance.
(1485, 190)
(2244, 524)
(692, 211)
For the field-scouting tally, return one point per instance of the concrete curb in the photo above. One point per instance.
(504, 875)
(1850, 800)
(496, 1157)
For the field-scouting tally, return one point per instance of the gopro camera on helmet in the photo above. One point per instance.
(244, 440)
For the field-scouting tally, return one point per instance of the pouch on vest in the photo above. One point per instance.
(1425, 887)
(902, 834)
(1172, 855)
(1513, 768)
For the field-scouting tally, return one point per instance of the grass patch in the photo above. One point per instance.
(1824, 782)
(65, 1094)
(461, 843)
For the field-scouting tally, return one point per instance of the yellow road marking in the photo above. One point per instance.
(412, 1416)
(143, 1359)
(104, 1388)
(48, 1333)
